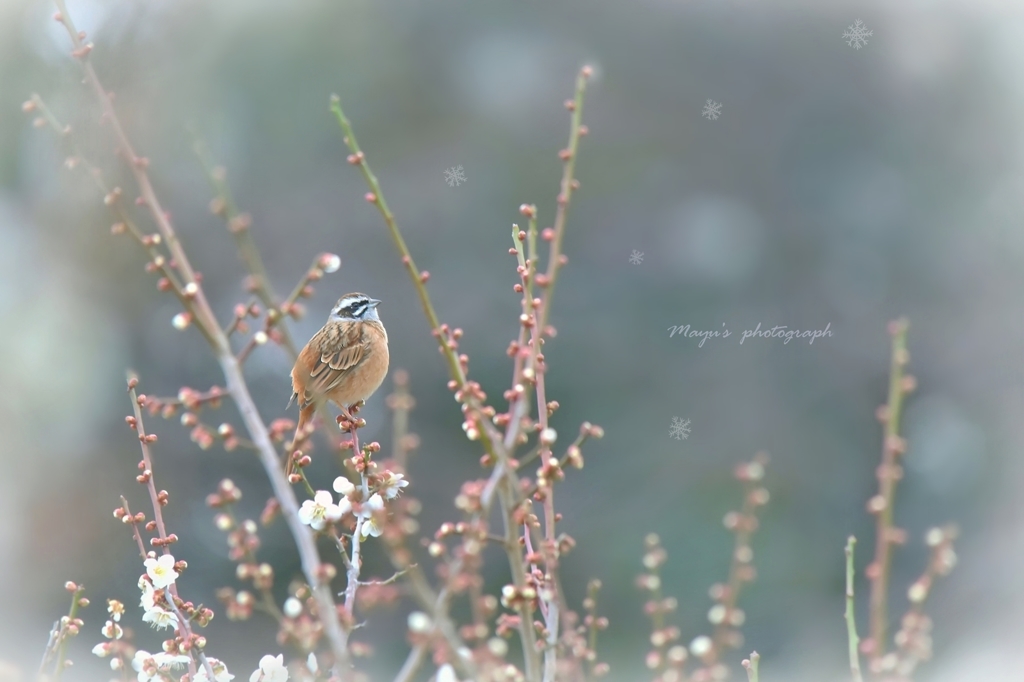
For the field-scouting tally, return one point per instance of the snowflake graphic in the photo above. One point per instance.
(857, 35)
(679, 428)
(712, 110)
(454, 176)
(637, 257)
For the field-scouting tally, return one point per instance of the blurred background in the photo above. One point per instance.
(838, 187)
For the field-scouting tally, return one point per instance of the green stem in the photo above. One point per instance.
(243, 239)
(396, 235)
(63, 636)
(751, 666)
(491, 439)
(565, 195)
(851, 621)
(887, 491)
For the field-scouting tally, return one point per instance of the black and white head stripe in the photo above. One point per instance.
(356, 307)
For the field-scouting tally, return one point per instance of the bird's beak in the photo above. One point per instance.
(374, 303)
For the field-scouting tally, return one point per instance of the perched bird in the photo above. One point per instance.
(344, 362)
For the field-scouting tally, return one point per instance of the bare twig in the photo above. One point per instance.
(355, 564)
(569, 184)
(914, 640)
(157, 500)
(502, 480)
(750, 665)
(882, 504)
(63, 629)
(754, 496)
(238, 224)
(851, 621)
(593, 625)
(465, 393)
(236, 385)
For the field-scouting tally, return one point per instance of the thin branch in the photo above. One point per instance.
(238, 224)
(888, 473)
(235, 381)
(752, 474)
(569, 184)
(148, 478)
(914, 640)
(355, 564)
(502, 480)
(851, 621)
(393, 579)
(135, 527)
(50, 648)
(401, 403)
(488, 433)
(62, 631)
(750, 665)
(417, 655)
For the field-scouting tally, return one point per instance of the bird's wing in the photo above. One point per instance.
(340, 350)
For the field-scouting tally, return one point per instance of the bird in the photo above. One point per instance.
(344, 363)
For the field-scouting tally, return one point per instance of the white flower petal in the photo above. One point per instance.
(306, 512)
(446, 673)
(160, 618)
(292, 607)
(161, 571)
(345, 506)
(370, 527)
(272, 669)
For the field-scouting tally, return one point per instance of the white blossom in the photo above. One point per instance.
(369, 525)
(150, 666)
(112, 630)
(321, 509)
(292, 607)
(393, 484)
(160, 618)
(701, 646)
(330, 262)
(145, 665)
(272, 669)
(446, 673)
(419, 622)
(161, 571)
(115, 609)
(343, 485)
(171, 660)
(102, 649)
(148, 600)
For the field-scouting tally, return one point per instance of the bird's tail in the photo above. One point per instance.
(302, 431)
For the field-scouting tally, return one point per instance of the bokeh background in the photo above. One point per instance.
(838, 187)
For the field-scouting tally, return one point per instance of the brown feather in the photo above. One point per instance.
(344, 362)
